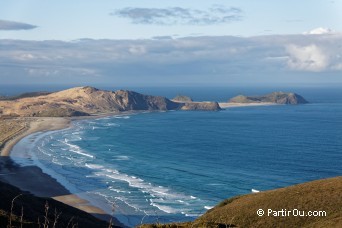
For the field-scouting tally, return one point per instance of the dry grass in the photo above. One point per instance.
(322, 195)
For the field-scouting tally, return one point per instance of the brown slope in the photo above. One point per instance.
(82, 101)
(321, 195)
(241, 211)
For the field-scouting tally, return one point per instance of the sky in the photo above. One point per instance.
(145, 42)
(128, 19)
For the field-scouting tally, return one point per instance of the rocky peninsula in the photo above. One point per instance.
(86, 101)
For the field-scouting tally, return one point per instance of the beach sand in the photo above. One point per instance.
(39, 124)
(33, 179)
(234, 105)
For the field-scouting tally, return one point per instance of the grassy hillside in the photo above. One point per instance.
(83, 101)
(38, 211)
(241, 211)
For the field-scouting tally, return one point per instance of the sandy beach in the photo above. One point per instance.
(234, 105)
(32, 178)
(36, 125)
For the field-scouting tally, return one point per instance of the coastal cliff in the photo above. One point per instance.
(275, 97)
(85, 101)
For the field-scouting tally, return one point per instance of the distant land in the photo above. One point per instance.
(241, 211)
(86, 101)
(275, 97)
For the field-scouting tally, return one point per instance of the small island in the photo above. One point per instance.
(275, 97)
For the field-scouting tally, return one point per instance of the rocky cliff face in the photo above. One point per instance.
(129, 100)
(275, 97)
(82, 101)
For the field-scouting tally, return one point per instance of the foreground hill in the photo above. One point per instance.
(30, 211)
(241, 211)
(275, 97)
(83, 101)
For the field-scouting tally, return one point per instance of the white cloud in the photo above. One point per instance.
(319, 31)
(57, 71)
(137, 50)
(307, 58)
(42, 72)
(24, 56)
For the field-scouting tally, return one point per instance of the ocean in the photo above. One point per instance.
(174, 166)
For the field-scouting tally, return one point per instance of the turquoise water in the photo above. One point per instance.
(173, 166)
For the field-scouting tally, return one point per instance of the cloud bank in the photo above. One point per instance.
(176, 15)
(12, 25)
(190, 60)
(307, 58)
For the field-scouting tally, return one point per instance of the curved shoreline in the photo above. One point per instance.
(36, 124)
(40, 183)
(46, 124)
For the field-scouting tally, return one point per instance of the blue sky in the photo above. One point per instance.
(152, 43)
(70, 20)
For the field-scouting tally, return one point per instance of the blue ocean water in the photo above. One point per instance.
(173, 166)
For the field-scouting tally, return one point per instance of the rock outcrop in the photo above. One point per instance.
(182, 98)
(275, 97)
(129, 100)
(201, 106)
